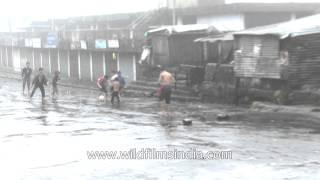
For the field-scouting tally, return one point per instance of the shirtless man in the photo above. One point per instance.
(103, 84)
(115, 90)
(166, 80)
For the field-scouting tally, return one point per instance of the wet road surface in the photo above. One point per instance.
(50, 140)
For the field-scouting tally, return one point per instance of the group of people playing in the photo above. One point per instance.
(39, 81)
(116, 84)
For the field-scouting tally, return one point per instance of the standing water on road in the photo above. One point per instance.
(71, 138)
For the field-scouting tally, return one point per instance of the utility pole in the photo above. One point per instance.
(174, 12)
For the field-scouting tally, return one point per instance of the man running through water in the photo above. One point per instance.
(26, 77)
(55, 80)
(166, 80)
(102, 84)
(38, 82)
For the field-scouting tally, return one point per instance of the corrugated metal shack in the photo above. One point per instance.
(218, 84)
(217, 48)
(285, 52)
(173, 45)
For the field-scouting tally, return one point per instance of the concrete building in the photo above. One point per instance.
(240, 16)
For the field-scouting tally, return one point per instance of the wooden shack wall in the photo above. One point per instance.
(257, 57)
(304, 61)
(160, 50)
(183, 50)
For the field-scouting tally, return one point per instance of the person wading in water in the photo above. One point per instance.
(115, 89)
(102, 83)
(55, 80)
(26, 77)
(166, 80)
(39, 81)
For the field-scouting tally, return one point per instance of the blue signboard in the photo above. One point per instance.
(52, 40)
(101, 44)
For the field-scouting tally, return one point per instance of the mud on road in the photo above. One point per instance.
(50, 139)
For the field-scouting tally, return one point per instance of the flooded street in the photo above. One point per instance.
(51, 139)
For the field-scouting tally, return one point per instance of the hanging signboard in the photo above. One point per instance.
(101, 44)
(113, 44)
(36, 42)
(83, 44)
(52, 40)
(28, 42)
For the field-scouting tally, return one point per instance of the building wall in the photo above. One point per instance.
(304, 61)
(1, 56)
(92, 65)
(54, 60)
(74, 66)
(4, 57)
(37, 58)
(45, 60)
(260, 19)
(111, 64)
(10, 62)
(85, 65)
(225, 22)
(160, 47)
(183, 50)
(16, 59)
(183, 3)
(26, 55)
(63, 56)
(126, 63)
(97, 64)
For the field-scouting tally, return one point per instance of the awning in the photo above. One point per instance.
(179, 29)
(215, 38)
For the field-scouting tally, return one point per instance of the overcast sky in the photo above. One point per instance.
(22, 11)
(63, 8)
